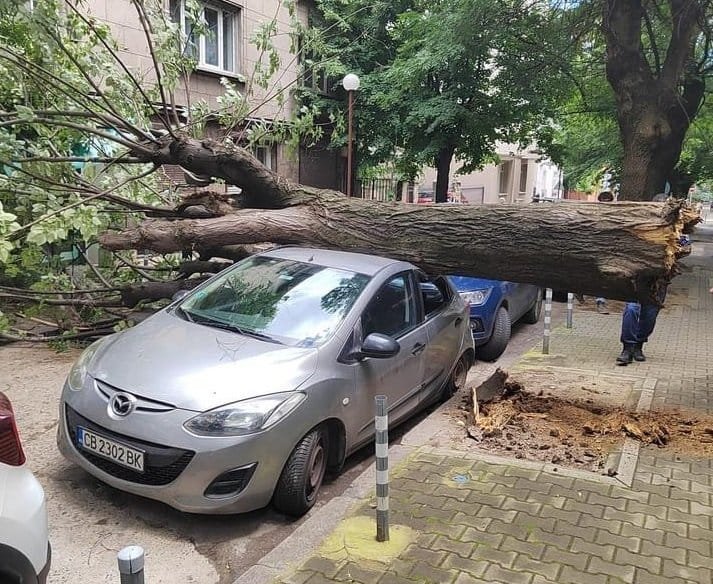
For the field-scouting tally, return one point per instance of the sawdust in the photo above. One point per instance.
(575, 432)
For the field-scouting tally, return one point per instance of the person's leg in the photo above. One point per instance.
(647, 322)
(629, 332)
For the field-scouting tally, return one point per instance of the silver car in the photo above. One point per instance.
(252, 386)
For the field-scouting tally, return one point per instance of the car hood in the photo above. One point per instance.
(195, 367)
(468, 284)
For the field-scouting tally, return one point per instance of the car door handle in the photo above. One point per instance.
(417, 348)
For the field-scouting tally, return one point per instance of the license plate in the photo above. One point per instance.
(110, 449)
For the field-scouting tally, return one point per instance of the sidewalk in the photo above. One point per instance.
(460, 517)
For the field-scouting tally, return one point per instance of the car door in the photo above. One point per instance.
(446, 319)
(393, 311)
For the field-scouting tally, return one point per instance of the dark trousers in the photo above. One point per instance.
(639, 320)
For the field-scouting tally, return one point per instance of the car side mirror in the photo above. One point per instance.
(180, 295)
(377, 346)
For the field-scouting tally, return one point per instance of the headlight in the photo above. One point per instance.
(476, 297)
(78, 374)
(245, 417)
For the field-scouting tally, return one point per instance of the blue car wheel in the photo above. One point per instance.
(498, 341)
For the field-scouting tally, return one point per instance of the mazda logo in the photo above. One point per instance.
(122, 404)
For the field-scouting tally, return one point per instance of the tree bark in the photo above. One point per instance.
(656, 102)
(443, 171)
(132, 294)
(619, 250)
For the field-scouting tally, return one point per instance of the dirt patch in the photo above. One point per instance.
(574, 432)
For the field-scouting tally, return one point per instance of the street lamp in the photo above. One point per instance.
(351, 84)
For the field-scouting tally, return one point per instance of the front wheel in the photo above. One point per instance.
(458, 377)
(498, 341)
(299, 483)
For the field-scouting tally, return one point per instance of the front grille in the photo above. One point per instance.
(162, 464)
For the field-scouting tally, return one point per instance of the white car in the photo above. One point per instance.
(24, 543)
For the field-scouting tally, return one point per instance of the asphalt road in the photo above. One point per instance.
(90, 521)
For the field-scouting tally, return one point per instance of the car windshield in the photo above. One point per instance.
(286, 301)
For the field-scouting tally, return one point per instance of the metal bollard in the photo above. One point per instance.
(382, 469)
(548, 322)
(570, 308)
(131, 564)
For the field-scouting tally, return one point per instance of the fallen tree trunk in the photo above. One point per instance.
(618, 250)
(132, 294)
(621, 251)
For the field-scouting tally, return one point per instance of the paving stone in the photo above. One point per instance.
(611, 525)
(319, 579)
(300, 577)
(481, 537)
(533, 550)
(695, 532)
(474, 567)
(597, 499)
(644, 577)
(531, 507)
(322, 565)
(688, 573)
(536, 567)
(352, 572)
(494, 555)
(663, 551)
(471, 521)
(558, 540)
(433, 557)
(599, 566)
(676, 541)
(529, 522)
(697, 560)
(605, 552)
(667, 526)
(423, 572)
(565, 558)
(606, 538)
(462, 548)
(703, 521)
(646, 562)
(585, 533)
(668, 502)
(570, 575)
(646, 509)
(495, 573)
(637, 519)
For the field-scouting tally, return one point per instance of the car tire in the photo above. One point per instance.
(532, 316)
(458, 377)
(302, 476)
(498, 341)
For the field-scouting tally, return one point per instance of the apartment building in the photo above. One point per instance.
(520, 176)
(227, 52)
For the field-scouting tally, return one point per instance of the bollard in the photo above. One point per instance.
(548, 322)
(570, 307)
(382, 469)
(131, 564)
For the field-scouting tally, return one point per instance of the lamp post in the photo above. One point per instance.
(351, 84)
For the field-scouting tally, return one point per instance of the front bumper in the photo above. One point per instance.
(208, 458)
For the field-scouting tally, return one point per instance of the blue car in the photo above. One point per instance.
(494, 307)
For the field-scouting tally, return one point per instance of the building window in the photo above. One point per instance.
(267, 155)
(216, 49)
(523, 177)
(504, 178)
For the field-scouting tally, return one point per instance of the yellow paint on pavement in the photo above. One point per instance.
(355, 538)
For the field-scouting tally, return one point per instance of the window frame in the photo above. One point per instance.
(411, 286)
(222, 9)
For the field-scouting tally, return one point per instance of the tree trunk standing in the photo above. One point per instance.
(657, 93)
(443, 171)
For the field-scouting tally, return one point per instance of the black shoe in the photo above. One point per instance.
(637, 353)
(626, 357)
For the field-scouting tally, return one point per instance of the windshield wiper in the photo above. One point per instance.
(200, 319)
(184, 313)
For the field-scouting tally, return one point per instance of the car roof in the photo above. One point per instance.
(361, 263)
